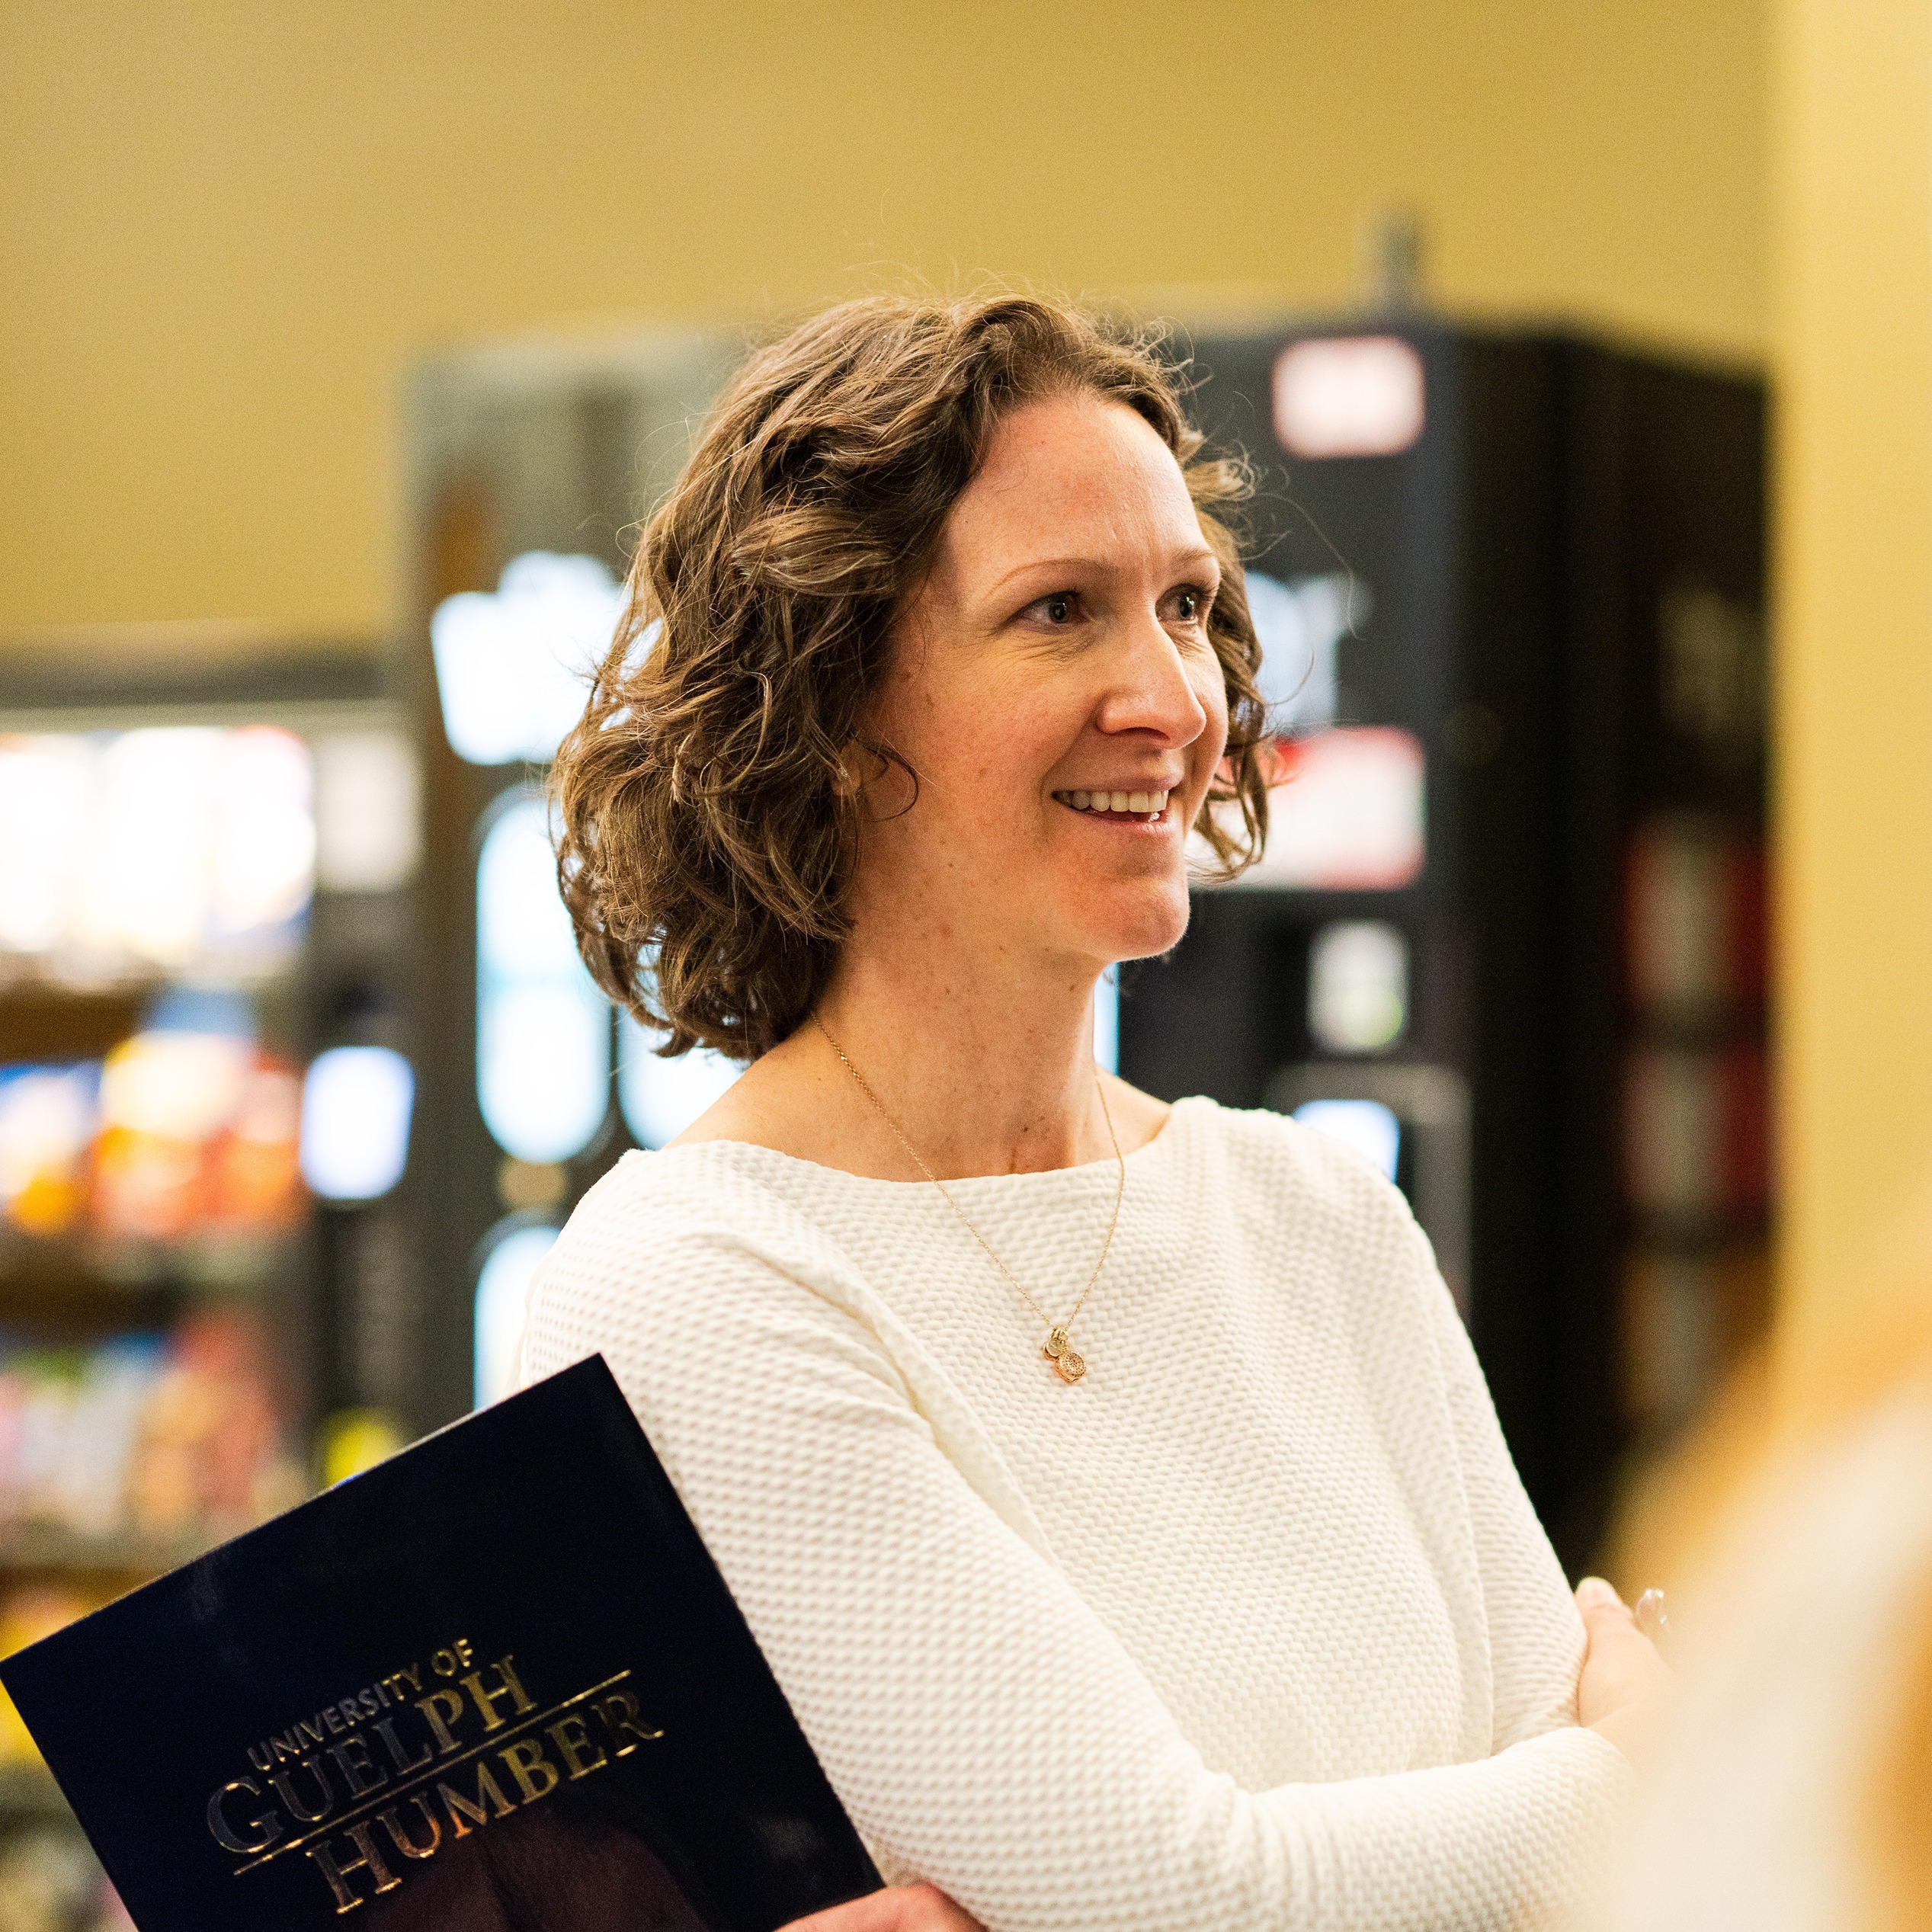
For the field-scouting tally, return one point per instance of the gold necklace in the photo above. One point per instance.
(1068, 1364)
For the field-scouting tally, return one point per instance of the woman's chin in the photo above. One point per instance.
(1151, 924)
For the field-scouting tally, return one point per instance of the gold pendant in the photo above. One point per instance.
(1058, 1350)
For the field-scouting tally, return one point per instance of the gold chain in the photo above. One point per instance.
(1068, 1363)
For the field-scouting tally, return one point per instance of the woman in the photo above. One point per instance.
(1110, 1486)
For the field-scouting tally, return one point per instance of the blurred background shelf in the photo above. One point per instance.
(29, 1795)
(52, 1269)
(46, 1548)
(207, 852)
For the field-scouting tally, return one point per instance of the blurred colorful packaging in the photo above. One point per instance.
(49, 1882)
(48, 1118)
(175, 1440)
(176, 1134)
(212, 1456)
(199, 1132)
(165, 850)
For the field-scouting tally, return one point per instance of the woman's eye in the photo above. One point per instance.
(1189, 605)
(1058, 609)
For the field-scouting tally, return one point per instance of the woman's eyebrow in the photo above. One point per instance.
(1099, 566)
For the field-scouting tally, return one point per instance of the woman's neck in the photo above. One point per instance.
(985, 1070)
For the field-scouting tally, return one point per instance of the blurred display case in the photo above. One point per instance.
(209, 847)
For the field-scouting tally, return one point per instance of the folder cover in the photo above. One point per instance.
(494, 1682)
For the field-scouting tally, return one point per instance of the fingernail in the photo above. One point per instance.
(1594, 1589)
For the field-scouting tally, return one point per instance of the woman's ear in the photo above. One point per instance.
(846, 781)
(863, 768)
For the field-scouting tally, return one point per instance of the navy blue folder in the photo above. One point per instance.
(495, 1684)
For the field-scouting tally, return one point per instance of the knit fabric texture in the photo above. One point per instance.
(1254, 1627)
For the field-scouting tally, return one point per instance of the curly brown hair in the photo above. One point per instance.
(707, 840)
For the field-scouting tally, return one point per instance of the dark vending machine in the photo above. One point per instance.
(1507, 938)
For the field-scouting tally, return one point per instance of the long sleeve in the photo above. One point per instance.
(986, 1729)
(1537, 1635)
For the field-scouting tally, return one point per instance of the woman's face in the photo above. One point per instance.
(1053, 685)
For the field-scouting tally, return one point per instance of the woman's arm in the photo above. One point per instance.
(987, 1732)
(1556, 1658)
(1536, 1636)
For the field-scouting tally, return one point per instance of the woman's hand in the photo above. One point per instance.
(1623, 1678)
(898, 1908)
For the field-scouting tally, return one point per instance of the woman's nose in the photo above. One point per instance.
(1152, 690)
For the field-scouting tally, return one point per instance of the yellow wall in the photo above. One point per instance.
(1852, 189)
(227, 227)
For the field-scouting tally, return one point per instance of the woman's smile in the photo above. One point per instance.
(1120, 805)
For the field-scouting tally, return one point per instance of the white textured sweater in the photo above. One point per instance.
(1253, 1628)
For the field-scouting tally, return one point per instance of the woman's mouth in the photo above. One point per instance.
(1146, 807)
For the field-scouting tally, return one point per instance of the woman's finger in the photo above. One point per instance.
(1621, 1668)
(1600, 1604)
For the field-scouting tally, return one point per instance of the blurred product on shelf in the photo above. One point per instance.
(168, 1441)
(49, 1882)
(49, 1116)
(1697, 1138)
(176, 1133)
(1697, 1129)
(199, 1131)
(1345, 813)
(1695, 913)
(1357, 986)
(125, 855)
(353, 1439)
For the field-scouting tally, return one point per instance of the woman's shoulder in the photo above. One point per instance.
(1285, 1181)
(1260, 1141)
(676, 1225)
(693, 1240)
(708, 1195)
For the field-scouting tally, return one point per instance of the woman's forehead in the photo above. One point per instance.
(1074, 478)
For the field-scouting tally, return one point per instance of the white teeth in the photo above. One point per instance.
(1143, 804)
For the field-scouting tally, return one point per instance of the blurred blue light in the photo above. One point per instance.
(543, 1028)
(660, 1098)
(1368, 1127)
(1300, 625)
(512, 666)
(502, 1304)
(356, 1105)
(1107, 1021)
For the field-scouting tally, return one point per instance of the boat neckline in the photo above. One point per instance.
(1149, 1149)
